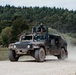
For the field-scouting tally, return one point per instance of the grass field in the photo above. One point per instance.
(3, 54)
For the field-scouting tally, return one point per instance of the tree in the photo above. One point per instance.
(57, 18)
(4, 24)
(6, 36)
(18, 26)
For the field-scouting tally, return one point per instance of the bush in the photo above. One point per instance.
(6, 36)
(54, 31)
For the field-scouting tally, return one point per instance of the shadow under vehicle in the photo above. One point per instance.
(38, 44)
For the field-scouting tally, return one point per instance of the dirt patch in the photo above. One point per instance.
(72, 53)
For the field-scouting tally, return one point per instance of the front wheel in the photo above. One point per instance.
(62, 54)
(12, 56)
(39, 55)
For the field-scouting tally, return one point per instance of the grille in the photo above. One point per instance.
(21, 46)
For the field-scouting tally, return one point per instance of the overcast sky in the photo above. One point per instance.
(69, 4)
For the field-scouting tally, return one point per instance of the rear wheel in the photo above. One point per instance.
(39, 55)
(12, 56)
(62, 54)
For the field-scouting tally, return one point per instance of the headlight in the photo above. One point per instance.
(28, 46)
(14, 46)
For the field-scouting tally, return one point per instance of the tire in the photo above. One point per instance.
(39, 55)
(12, 56)
(66, 52)
(62, 54)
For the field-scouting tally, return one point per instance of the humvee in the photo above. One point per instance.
(38, 44)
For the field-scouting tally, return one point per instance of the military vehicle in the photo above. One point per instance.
(38, 44)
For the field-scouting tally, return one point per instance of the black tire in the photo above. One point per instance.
(39, 55)
(62, 54)
(12, 56)
(66, 52)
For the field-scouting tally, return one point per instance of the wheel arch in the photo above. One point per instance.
(65, 51)
(42, 46)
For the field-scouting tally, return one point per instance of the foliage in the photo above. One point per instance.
(57, 18)
(0, 40)
(18, 26)
(53, 31)
(23, 18)
(6, 36)
(4, 24)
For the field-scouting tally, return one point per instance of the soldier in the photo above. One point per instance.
(41, 28)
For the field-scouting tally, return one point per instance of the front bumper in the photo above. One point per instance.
(21, 51)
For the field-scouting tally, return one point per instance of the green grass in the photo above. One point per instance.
(3, 54)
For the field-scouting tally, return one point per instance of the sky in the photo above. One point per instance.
(69, 4)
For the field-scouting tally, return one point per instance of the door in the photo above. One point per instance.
(52, 46)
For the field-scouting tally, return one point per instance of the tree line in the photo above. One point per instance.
(15, 20)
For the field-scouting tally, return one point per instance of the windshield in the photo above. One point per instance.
(38, 37)
(35, 37)
(27, 38)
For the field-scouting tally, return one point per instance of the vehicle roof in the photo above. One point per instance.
(55, 35)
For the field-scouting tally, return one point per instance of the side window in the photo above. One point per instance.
(57, 41)
(51, 40)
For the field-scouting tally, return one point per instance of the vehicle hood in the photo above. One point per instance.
(25, 44)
